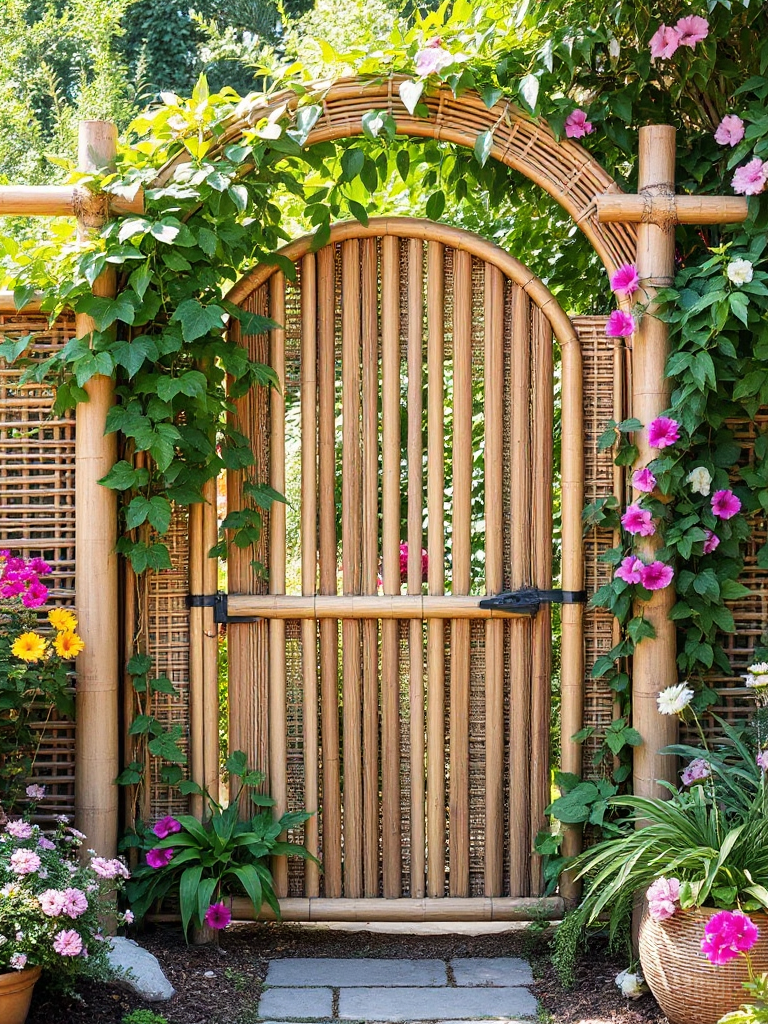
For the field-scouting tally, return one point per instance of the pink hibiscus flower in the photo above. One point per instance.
(692, 30)
(725, 504)
(663, 432)
(656, 576)
(620, 324)
(630, 569)
(577, 125)
(712, 541)
(664, 42)
(643, 480)
(750, 179)
(626, 280)
(638, 520)
(730, 131)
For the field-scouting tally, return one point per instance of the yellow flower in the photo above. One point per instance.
(29, 647)
(68, 644)
(62, 619)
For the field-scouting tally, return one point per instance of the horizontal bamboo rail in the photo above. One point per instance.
(363, 606)
(59, 201)
(476, 908)
(665, 209)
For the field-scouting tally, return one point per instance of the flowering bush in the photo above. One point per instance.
(34, 664)
(50, 901)
(201, 863)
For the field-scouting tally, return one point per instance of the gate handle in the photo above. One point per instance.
(528, 600)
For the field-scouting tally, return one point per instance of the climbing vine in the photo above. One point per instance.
(594, 71)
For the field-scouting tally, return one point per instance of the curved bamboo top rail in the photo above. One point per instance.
(428, 230)
(563, 169)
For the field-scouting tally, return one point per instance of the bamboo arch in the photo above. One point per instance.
(564, 169)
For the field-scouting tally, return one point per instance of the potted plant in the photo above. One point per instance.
(204, 864)
(50, 906)
(702, 852)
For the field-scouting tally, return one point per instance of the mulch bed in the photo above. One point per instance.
(220, 985)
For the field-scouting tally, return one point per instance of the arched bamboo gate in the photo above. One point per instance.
(566, 172)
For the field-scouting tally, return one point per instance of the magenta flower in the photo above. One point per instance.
(626, 280)
(725, 504)
(656, 576)
(663, 432)
(11, 588)
(577, 125)
(696, 771)
(712, 541)
(727, 935)
(68, 943)
(35, 595)
(432, 58)
(218, 916)
(620, 324)
(38, 566)
(662, 895)
(750, 179)
(630, 569)
(638, 520)
(692, 30)
(664, 41)
(166, 826)
(158, 858)
(643, 480)
(730, 131)
(404, 562)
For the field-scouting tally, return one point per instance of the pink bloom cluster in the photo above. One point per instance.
(20, 577)
(730, 131)
(577, 125)
(24, 862)
(727, 935)
(433, 58)
(68, 943)
(19, 829)
(109, 868)
(696, 771)
(662, 895)
(688, 31)
(404, 565)
(69, 902)
(654, 576)
(750, 179)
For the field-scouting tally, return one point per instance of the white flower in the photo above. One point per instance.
(674, 699)
(760, 668)
(739, 272)
(613, 47)
(632, 985)
(700, 480)
(756, 682)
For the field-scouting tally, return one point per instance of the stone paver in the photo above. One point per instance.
(413, 1004)
(296, 1003)
(501, 971)
(362, 973)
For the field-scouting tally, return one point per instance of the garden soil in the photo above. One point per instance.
(220, 985)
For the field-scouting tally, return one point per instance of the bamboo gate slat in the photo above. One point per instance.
(430, 729)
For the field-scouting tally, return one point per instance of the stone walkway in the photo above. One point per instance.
(460, 991)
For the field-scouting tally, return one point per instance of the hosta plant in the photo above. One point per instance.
(203, 863)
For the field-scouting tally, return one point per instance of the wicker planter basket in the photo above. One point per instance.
(16, 994)
(688, 988)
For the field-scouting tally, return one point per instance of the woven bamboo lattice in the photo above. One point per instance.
(37, 514)
(564, 169)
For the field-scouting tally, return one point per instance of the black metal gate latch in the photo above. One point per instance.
(218, 602)
(528, 600)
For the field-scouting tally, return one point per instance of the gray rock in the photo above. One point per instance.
(414, 1004)
(355, 973)
(296, 1003)
(138, 970)
(500, 971)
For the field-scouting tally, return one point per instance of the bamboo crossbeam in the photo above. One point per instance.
(478, 908)
(365, 606)
(59, 201)
(615, 208)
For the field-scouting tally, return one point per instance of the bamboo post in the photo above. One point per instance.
(436, 569)
(196, 658)
(654, 665)
(96, 578)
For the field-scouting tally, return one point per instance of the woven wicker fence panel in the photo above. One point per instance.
(599, 377)
(167, 618)
(37, 514)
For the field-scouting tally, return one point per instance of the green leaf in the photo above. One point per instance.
(403, 163)
(166, 746)
(189, 884)
(529, 91)
(483, 146)
(198, 320)
(435, 205)
(124, 476)
(410, 94)
(236, 763)
(352, 161)
(11, 350)
(139, 664)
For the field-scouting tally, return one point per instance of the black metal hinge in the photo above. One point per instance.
(219, 604)
(528, 600)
